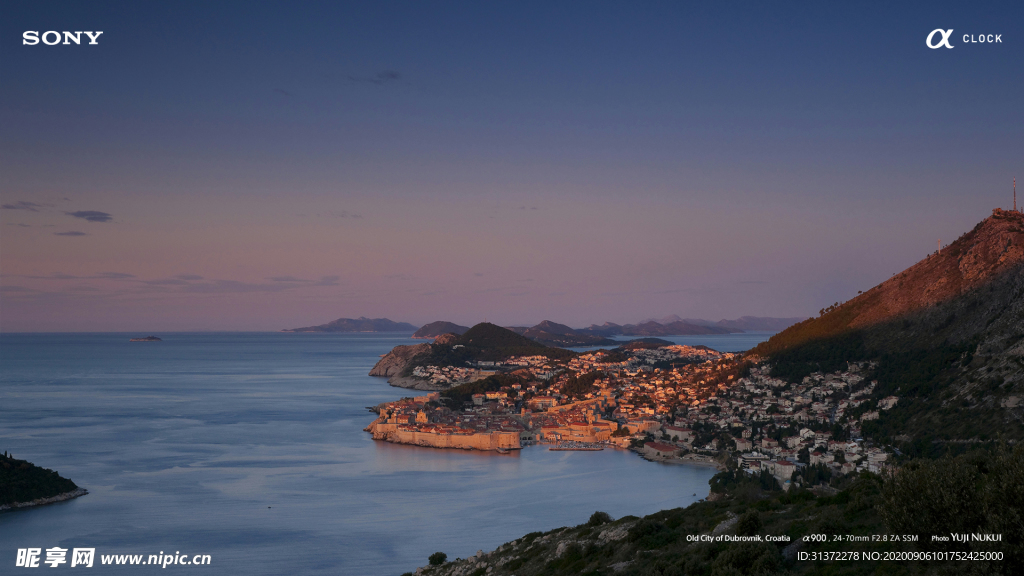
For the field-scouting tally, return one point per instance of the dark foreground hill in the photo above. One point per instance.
(435, 329)
(750, 526)
(484, 342)
(948, 336)
(360, 324)
(22, 482)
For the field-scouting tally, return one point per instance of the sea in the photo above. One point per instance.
(249, 448)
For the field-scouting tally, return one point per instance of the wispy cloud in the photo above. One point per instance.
(16, 289)
(343, 214)
(70, 233)
(100, 276)
(114, 276)
(166, 282)
(189, 277)
(382, 77)
(232, 287)
(323, 281)
(91, 215)
(23, 205)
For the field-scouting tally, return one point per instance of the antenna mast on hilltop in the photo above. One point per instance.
(1014, 193)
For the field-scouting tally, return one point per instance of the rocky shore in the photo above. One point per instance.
(689, 459)
(392, 363)
(43, 501)
(413, 383)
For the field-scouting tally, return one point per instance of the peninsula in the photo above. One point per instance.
(23, 484)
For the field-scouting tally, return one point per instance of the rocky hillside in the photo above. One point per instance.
(948, 334)
(394, 362)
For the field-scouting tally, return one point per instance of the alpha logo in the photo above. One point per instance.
(52, 37)
(945, 39)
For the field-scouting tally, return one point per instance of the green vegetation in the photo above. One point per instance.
(22, 481)
(981, 492)
(437, 558)
(974, 492)
(463, 393)
(577, 387)
(611, 356)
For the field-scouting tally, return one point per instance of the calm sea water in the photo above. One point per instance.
(249, 447)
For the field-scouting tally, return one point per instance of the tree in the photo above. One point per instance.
(749, 524)
(437, 558)
(598, 518)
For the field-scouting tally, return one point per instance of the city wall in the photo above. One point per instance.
(492, 440)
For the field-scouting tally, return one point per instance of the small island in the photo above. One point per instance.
(23, 484)
(146, 339)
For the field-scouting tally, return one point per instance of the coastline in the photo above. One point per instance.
(44, 501)
(413, 383)
(683, 460)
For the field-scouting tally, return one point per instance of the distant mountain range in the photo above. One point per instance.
(360, 324)
(741, 324)
(554, 334)
(676, 326)
(652, 328)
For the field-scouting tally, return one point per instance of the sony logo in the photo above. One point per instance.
(52, 37)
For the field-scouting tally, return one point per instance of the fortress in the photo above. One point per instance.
(443, 436)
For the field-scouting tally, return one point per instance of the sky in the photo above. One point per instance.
(260, 166)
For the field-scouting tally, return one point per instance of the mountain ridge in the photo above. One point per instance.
(947, 335)
(361, 324)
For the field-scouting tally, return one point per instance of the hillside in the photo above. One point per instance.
(948, 334)
(360, 324)
(483, 342)
(22, 482)
(486, 341)
(435, 329)
(750, 526)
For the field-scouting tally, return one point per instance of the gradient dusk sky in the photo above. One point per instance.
(266, 165)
